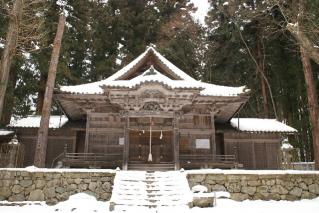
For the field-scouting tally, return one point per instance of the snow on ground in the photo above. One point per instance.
(35, 169)
(252, 172)
(78, 203)
(247, 206)
(83, 203)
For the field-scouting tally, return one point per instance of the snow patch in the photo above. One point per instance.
(251, 172)
(60, 170)
(199, 189)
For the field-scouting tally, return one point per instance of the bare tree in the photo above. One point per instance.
(42, 141)
(306, 35)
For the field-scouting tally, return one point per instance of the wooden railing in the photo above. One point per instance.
(102, 160)
(95, 160)
(208, 161)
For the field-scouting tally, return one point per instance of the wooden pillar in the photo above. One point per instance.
(176, 141)
(213, 136)
(87, 131)
(126, 142)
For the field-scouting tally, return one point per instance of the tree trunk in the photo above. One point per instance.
(41, 91)
(312, 102)
(305, 42)
(9, 97)
(262, 74)
(9, 49)
(311, 89)
(42, 141)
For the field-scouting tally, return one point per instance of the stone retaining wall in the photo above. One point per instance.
(53, 186)
(260, 186)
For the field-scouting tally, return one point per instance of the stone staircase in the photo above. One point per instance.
(141, 191)
(151, 166)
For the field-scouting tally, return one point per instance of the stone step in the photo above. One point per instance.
(151, 190)
(150, 186)
(145, 190)
(162, 193)
(152, 202)
(171, 199)
(151, 167)
(151, 208)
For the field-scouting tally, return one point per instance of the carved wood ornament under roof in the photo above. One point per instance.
(150, 82)
(152, 106)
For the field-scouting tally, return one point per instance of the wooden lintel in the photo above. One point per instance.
(159, 114)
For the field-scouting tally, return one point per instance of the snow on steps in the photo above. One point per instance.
(151, 167)
(150, 191)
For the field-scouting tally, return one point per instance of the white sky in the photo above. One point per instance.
(202, 10)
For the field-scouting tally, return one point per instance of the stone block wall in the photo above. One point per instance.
(260, 186)
(54, 186)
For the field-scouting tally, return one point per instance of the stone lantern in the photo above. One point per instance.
(14, 152)
(286, 149)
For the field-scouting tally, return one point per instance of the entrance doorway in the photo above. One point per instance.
(161, 146)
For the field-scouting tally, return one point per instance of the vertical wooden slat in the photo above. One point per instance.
(176, 141)
(87, 132)
(213, 137)
(254, 154)
(126, 142)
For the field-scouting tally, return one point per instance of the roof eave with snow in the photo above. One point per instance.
(116, 81)
(257, 125)
(5, 132)
(33, 121)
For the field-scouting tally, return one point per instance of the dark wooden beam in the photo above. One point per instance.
(213, 135)
(126, 142)
(87, 132)
(154, 114)
(176, 141)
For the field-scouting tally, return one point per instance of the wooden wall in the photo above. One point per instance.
(104, 133)
(56, 142)
(254, 150)
(192, 127)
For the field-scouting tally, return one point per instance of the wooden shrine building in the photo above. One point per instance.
(151, 114)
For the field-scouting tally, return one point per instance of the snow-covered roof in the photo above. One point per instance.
(152, 75)
(33, 121)
(260, 125)
(185, 80)
(4, 132)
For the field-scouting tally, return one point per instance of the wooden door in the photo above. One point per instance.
(162, 149)
(80, 141)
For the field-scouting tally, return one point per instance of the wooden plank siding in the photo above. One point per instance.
(56, 141)
(103, 133)
(254, 151)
